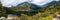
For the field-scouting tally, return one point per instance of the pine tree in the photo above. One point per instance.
(0, 5)
(2, 11)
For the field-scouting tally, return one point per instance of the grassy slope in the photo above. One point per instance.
(48, 14)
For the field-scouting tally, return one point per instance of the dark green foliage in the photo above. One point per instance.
(2, 11)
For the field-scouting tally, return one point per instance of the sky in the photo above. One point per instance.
(10, 3)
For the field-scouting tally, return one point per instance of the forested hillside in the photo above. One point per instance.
(25, 13)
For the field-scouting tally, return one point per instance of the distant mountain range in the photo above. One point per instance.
(33, 6)
(36, 7)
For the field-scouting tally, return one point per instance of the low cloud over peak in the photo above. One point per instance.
(10, 3)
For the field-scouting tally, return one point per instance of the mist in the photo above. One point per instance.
(10, 3)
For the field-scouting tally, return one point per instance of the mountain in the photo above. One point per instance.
(32, 6)
(36, 7)
(23, 3)
(50, 4)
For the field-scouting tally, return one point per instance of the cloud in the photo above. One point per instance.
(42, 2)
(10, 3)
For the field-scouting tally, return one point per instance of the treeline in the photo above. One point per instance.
(4, 11)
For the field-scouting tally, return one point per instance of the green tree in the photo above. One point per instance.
(2, 11)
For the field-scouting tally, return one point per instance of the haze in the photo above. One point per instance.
(10, 3)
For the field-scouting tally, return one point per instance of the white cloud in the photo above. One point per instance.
(9, 3)
(42, 2)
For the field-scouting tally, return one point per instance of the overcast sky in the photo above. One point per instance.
(10, 3)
